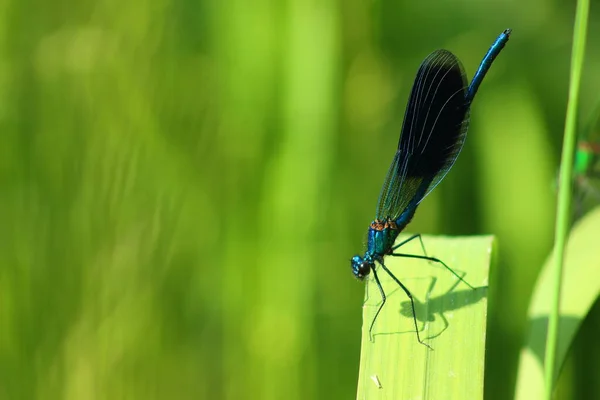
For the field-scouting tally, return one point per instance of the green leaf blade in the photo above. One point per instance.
(451, 319)
(580, 289)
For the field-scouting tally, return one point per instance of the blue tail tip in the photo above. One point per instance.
(507, 31)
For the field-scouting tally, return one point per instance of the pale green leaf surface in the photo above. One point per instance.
(451, 318)
(580, 288)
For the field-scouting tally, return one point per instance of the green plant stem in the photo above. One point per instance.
(564, 194)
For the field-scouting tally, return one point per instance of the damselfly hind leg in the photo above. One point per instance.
(425, 257)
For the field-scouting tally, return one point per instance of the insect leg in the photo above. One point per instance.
(412, 303)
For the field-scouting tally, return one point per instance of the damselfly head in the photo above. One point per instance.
(361, 267)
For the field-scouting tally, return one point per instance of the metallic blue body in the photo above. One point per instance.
(379, 242)
(486, 63)
(384, 230)
(433, 132)
(383, 233)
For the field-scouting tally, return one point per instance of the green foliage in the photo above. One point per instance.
(184, 183)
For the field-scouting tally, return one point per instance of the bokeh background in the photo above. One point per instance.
(184, 182)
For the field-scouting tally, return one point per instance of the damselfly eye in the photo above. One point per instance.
(360, 267)
(364, 269)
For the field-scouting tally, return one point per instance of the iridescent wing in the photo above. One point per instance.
(433, 133)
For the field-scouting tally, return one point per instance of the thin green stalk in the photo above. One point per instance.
(564, 194)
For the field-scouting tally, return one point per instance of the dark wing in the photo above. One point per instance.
(434, 130)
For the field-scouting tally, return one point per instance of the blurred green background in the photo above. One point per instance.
(184, 183)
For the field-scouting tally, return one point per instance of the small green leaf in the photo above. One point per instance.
(451, 319)
(580, 288)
